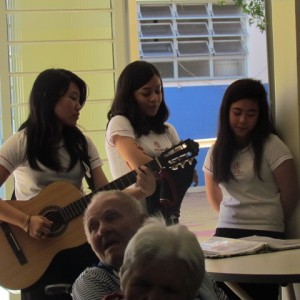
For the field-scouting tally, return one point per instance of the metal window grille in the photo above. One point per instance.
(193, 41)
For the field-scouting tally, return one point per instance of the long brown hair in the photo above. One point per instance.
(226, 147)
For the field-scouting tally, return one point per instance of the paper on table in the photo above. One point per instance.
(218, 247)
(275, 244)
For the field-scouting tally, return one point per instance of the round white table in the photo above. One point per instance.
(282, 267)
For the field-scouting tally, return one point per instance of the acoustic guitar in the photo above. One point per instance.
(23, 260)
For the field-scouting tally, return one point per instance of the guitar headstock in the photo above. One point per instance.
(179, 155)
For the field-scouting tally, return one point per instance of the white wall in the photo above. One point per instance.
(284, 52)
(258, 59)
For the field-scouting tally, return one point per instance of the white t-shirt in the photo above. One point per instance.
(248, 202)
(29, 182)
(152, 144)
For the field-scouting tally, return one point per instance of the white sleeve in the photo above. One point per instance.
(276, 152)
(12, 152)
(207, 166)
(173, 135)
(118, 125)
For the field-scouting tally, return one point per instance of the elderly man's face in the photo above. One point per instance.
(110, 225)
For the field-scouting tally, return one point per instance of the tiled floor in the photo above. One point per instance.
(197, 215)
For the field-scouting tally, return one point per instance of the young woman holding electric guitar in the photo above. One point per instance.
(49, 148)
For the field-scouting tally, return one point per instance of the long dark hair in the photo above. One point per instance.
(226, 147)
(41, 127)
(133, 77)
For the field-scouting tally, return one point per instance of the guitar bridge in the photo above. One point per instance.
(13, 243)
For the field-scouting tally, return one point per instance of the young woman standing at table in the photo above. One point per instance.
(137, 130)
(249, 172)
(48, 148)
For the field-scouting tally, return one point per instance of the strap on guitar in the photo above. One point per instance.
(13, 195)
(85, 162)
(88, 175)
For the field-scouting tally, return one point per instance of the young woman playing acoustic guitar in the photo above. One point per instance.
(49, 148)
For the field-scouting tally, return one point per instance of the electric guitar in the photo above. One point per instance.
(23, 259)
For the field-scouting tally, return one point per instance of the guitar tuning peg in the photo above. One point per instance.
(179, 166)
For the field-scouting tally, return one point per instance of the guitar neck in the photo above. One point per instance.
(77, 207)
(170, 158)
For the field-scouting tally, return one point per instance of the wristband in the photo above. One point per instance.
(27, 224)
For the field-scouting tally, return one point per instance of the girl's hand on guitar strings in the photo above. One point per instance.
(39, 227)
(195, 178)
(145, 181)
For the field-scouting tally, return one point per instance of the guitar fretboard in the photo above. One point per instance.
(77, 207)
(170, 158)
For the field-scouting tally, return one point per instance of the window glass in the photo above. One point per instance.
(72, 34)
(57, 4)
(75, 24)
(189, 37)
(22, 55)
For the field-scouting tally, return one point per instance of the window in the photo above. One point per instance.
(82, 36)
(193, 41)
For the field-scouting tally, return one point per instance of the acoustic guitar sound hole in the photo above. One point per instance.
(52, 213)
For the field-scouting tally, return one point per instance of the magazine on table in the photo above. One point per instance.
(218, 247)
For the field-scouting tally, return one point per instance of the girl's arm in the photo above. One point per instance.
(8, 213)
(286, 179)
(99, 178)
(145, 183)
(33, 225)
(213, 192)
(131, 152)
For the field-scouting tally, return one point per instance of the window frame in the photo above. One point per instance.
(181, 25)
